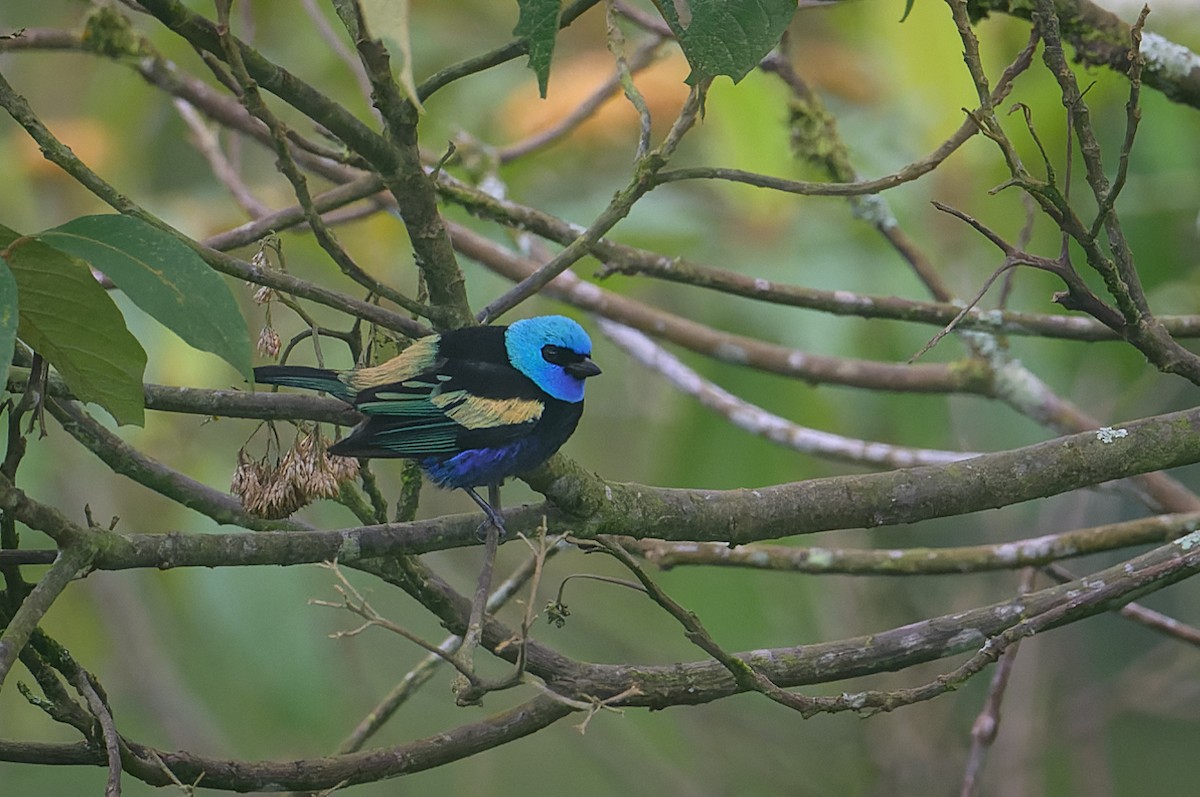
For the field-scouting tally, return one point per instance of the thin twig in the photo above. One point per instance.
(1138, 613)
(642, 57)
(757, 420)
(70, 562)
(616, 46)
(425, 669)
(354, 602)
(287, 166)
(987, 723)
(1133, 116)
(86, 685)
(955, 560)
(854, 187)
(464, 658)
(335, 43)
(209, 145)
(642, 182)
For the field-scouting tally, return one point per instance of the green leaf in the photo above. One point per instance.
(164, 277)
(8, 306)
(387, 21)
(69, 319)
(538, 25)
(720, 37)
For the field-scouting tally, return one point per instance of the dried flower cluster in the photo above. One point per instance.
(265, 294)
(304, 473)
(269, 342)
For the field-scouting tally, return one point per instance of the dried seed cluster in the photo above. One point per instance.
(304, 473)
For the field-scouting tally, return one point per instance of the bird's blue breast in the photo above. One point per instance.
(479, 466)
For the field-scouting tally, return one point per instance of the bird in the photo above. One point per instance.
(472, 406)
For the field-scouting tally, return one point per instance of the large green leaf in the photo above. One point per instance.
(8, 306)
(538, 25)
(164, 277)
(720, 37)
(69, 319)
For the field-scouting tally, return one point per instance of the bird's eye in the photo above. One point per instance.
(558, 355)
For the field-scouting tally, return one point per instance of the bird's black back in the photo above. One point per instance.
(480, 344)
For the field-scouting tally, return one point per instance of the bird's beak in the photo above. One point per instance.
(583, 369)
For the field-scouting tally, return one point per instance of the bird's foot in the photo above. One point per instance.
(481, 533)
(493, 518)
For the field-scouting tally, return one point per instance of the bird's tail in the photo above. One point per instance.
(306, 377)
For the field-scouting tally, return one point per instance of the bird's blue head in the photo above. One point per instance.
(554, 352)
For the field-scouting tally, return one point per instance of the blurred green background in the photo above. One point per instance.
(236, 663)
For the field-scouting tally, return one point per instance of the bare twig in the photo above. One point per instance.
(465, 655)
(643, 181)
(354, 602)
(1133, 116)
(424, 670)
(209, 146)
(641, 58)
(70, 562)
(616, 45)
(87, 687)
(758, 421)
(287, 165)
(1138, 613)
(967, 308)
(987, 723)
(918, 561)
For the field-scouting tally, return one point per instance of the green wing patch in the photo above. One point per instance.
(413, 403)
(434, 438)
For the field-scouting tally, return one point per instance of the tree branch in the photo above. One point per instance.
(1101, 38)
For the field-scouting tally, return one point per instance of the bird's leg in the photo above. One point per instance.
(493, 516)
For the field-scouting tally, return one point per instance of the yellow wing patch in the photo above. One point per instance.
(416, 358)
(474, 412)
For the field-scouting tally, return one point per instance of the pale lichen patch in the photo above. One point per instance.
(1189, 541)
(731, 353)
(964, 638)
(821, 557)
(349, 550)
(855, 701)
(1173, 60)
(1107, 434)
(759, 558)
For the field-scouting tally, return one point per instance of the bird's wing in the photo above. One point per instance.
(454, 407)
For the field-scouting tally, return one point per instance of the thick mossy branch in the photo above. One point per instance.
(588, 505)
(894, 497)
